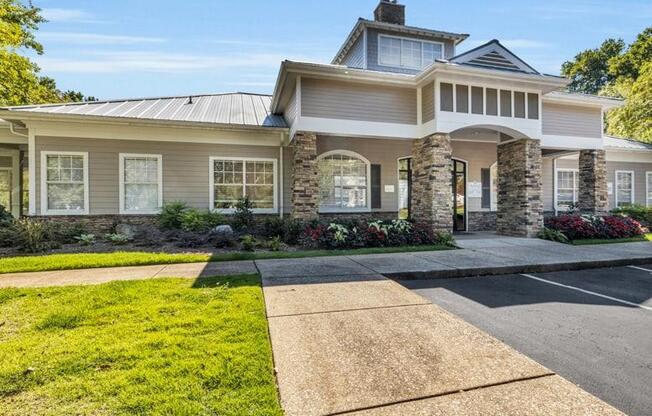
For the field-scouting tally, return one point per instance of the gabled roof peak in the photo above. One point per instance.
(494, 55)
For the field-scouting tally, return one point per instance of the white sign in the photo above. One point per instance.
(389, 189)
(474, 189)
(610, 188)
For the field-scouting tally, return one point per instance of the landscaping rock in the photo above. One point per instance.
(222, 235)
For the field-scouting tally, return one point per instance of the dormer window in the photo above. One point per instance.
(408, 53)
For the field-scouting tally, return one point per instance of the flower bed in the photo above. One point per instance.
(581, 227)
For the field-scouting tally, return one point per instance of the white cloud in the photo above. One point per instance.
(96, 39)
(67, 15)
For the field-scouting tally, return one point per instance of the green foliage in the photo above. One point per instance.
(553, 235)
(152, 347)
(275, 244)
(20, 82)
(194, 220)
(117, 238)
(630, 63)
(32, 236)
(86, 239)
(248, 242)
(5, 217)
(445, 239)
(170, 216)
(589, 70)
(288, 229)
(634, 119)
(243, 217)
(65, 233)
(638, 212)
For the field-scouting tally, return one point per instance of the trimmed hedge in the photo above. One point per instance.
(580, 227)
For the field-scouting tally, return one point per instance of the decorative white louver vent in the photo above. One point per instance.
(494, 60)
(493, 55)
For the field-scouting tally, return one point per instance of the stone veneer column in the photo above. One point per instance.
(520, 204)
(305, 183)
(432, 187)
(593, 182)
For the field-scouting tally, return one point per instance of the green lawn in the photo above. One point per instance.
(166, 347)
(645, 237)
(95, 260)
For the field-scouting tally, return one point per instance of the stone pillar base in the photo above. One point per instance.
(520, 202)
(593, 182)
(305, 177)
(432, 188)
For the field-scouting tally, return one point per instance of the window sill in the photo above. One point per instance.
(344, 210)
(64, 213)
(230, 211)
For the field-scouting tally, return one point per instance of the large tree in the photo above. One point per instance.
(20, 81)
(619, 71)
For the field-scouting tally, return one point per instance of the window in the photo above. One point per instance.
(568, 181)
(446, 96)
(235, 178)
(343, 179)
(64, 179)
(477, 100)
(408, 53)
(624, 188)
(462, 95)
(648, 188)
(533, 106)
(505, 103)
(141, 183)
(5, 188)
(485, 180)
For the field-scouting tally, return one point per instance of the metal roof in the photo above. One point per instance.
(626, 144)
(237, 109)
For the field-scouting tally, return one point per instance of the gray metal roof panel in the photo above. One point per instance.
(235, 109)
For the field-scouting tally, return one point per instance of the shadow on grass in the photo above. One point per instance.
(242, 280)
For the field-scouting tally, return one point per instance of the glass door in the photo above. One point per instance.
(404, 187)
(5, 188)
(459, 195)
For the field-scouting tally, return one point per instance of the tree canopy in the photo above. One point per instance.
(20, 79)
(617, 70)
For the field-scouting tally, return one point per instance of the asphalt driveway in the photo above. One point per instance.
(593, 327)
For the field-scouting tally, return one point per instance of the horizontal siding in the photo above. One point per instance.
(372, 50)
(185, 167)
(354, 101)
(355, 56)
(428, 102)
(291, 110)
(382, 152)
(478, 155)
(570, 120)
(5, 162)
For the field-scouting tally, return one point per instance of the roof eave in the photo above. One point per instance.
(569, 98)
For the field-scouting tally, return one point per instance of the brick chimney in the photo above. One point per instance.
(389, 11)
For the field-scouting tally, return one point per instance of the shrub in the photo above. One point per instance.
(577, 227)
(553, 235)
(64, 233)
(5, 217)
(638, 212)
(275, 244)
(288, 229)
(118, 239)
(243, 217)
(31, 235)
(86, 239)
(248, 242)
(170, 216)
(194, 220)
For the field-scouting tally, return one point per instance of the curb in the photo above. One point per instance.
(530, 268)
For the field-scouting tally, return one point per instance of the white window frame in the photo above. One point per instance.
(367, 207)
(633, 198)
(121, 169)
(648, 189)
(576, 192)
(403, 38)
(211, 183)
(44, 185)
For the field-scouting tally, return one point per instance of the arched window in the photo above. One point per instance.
(343, 181)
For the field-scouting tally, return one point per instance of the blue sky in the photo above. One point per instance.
(138, 48)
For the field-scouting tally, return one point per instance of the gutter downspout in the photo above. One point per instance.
(554, 184)
(13, 131)
(280, 185)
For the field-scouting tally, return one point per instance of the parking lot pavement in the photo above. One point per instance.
(593, 327)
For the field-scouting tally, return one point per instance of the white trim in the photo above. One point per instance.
(350, 128)
(31, 165)
(633, 197)
(121, 169)
(211, 183)
(367, 207)
(403, 38)
(44, 194)
(280, 182)
(576, 191)
(648, 189)
(364, 40)
(16, 172)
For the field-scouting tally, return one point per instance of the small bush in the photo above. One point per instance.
(65, 233)
(243, 217)
(640, 213)
(553, 235)
(5, 217)
(118, 239)
(275, 244)
(170, 217)
(288, 229)
(86, 239)
(32, 236)
(194, 220)
(248, 242)
(579, 227)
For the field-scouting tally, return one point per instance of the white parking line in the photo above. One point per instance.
(625, 302)
(640, 268)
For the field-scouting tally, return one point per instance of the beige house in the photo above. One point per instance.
(398, 124)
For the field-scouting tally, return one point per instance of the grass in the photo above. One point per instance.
(95, 260)
(645, 237)
(165, 346)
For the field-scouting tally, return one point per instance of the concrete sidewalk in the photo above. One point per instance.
(363, 344)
